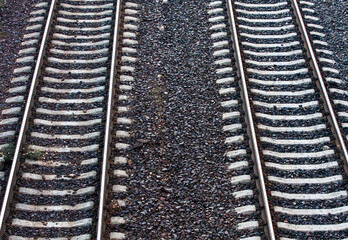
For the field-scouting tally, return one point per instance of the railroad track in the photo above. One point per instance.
(285, 152)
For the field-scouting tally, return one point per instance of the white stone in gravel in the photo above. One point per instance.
(67, 123)
(89, 148)
(238, 165)
(245, 209)
(315, 196)
(313, 228)
(120, 160)
(32, 224)
(294, 167)
(82, 191)
(241, 178)
(321, 211)
(117, 220)
(44, 208)
(120, 173)
(243, 193)
(119, 188)
(248, 225)
(117, 235)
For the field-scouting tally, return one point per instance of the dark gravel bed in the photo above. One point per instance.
(179, 187)
(333, 17)
(13, 20)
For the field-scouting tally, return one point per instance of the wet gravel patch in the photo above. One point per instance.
(13, 20)
(333, 17)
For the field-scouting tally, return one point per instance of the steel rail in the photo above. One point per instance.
(249, 120)
(24, 125)
(108, 126)
(317, 72)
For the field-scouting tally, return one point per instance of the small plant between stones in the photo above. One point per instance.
(6, 154)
